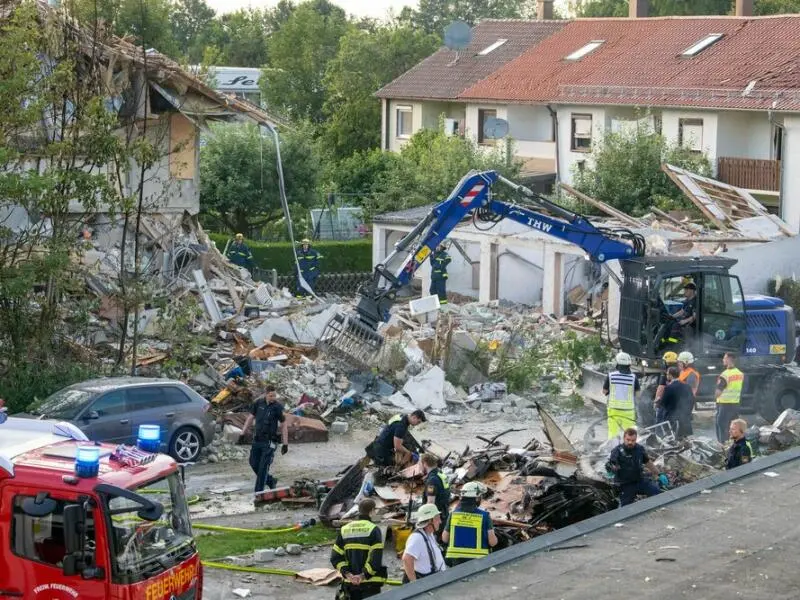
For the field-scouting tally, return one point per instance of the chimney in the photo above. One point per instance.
(638, 9)
(544, 9)
(744, 8)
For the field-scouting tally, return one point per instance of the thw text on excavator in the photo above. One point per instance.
(760, 329)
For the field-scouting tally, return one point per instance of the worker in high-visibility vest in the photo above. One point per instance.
(729, 396)
(690, 376)
(621, 386)
(469, 532)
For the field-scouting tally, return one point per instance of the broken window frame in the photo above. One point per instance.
(580, 136)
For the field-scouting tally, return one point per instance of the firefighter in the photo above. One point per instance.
(740, 452)
(439, 263)
(690, 376)
(387, 448)
(621, 386)
(676, 401)
(358, 556)
(270, 430)
(239, 253)
(469, 532)
(308, 260)
(669, 359)
(729, 395)
(437, 487)
(626, 463)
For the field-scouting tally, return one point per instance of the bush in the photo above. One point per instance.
(352, 256)
(787, 289)
(20, 386)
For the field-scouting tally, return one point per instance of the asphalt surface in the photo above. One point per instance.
(739, 539)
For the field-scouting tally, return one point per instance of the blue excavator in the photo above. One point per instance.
(760, 329)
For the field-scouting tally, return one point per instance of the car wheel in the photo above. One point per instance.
(186, 444)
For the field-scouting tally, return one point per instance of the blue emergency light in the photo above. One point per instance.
(149, 438)
(87, 461)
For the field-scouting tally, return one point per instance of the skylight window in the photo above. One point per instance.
(587, 49)
(702, 44)
(493, 47)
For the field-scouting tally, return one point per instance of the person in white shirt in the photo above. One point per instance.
(422, 556)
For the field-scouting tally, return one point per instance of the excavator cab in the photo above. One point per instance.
(656, 296)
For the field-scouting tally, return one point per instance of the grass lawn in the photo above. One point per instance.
(212, 544)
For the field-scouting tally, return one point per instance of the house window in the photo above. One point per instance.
(483, 116)
(405, 116)
(581, 133)
(690, 134)
(657, 124)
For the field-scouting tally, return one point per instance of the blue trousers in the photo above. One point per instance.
(311, 280)
(629, 491)
(725, 414)
(439, 287)
(261, 455)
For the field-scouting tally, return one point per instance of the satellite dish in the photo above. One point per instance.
(494, 128)
(458, 35)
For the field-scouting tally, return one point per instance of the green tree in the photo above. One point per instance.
(366, 61)
(777, 7)
(663, 8)
(299, 53)
(192, 22)
(433, 16)
(239, 182)
(625, 171)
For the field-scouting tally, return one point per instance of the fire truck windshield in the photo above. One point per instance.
(143, 549)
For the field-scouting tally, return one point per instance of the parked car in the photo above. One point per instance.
(111, 410)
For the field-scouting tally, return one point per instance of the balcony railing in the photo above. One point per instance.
(750, 173)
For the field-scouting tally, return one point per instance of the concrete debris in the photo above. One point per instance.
(294, 549)
(426, 391)
(265, 555)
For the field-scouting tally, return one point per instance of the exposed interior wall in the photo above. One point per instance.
(183, 157)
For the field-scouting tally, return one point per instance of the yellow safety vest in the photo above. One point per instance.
(470, 526)
(732, 394)
(621, 391)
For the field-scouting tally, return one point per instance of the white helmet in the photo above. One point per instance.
(425, 513)
(624, 359)
(686, 357)
(473, 489)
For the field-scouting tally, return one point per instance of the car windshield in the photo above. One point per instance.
(65, 404)
(143, 549)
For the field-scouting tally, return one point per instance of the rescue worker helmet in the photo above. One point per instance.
(239, 236)
(305, 241)
(623, 359)
(473, 489)
(670, 358)
(686, 357)
(426, 512)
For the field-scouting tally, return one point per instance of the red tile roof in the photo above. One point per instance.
(640, 63)
(441, 76)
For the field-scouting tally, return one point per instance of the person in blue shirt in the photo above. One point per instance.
(270, 430)
(308, 260)
(626, 463)
(239, 253)
(437, 487)
(388, 448)
(439, 262)
(469, 532)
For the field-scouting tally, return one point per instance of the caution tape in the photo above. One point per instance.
(265, 571)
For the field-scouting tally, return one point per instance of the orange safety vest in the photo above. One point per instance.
(685, 375)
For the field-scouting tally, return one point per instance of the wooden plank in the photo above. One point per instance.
(237, 301)
(674, 174)
(609, 210)
(672, 220)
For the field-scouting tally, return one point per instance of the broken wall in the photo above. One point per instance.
(758, 263)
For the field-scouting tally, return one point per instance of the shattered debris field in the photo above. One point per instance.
(731, 535)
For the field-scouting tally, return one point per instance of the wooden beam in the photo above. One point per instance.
(609, 210)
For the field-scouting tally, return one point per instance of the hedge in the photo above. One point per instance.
(352, 256)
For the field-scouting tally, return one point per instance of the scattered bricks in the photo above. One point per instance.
(294, 549)
(265, 555)
(339, 427)
(280, 551)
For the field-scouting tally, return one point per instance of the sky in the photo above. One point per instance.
(361, 8)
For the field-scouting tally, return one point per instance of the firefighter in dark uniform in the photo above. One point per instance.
(439, 262)
(270, 430)
(740, 452)
(308, 259)
(387, 449)
(358, 556)
(437, 487)
(239, 253)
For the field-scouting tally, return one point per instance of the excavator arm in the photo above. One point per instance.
(354, 337)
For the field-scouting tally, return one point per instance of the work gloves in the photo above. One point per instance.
(284, 448)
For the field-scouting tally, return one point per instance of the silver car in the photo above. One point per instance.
(111, 410)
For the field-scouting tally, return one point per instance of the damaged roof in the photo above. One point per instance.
(447, 73)
(707, 62)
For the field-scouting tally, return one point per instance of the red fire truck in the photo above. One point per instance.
(91, 521)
